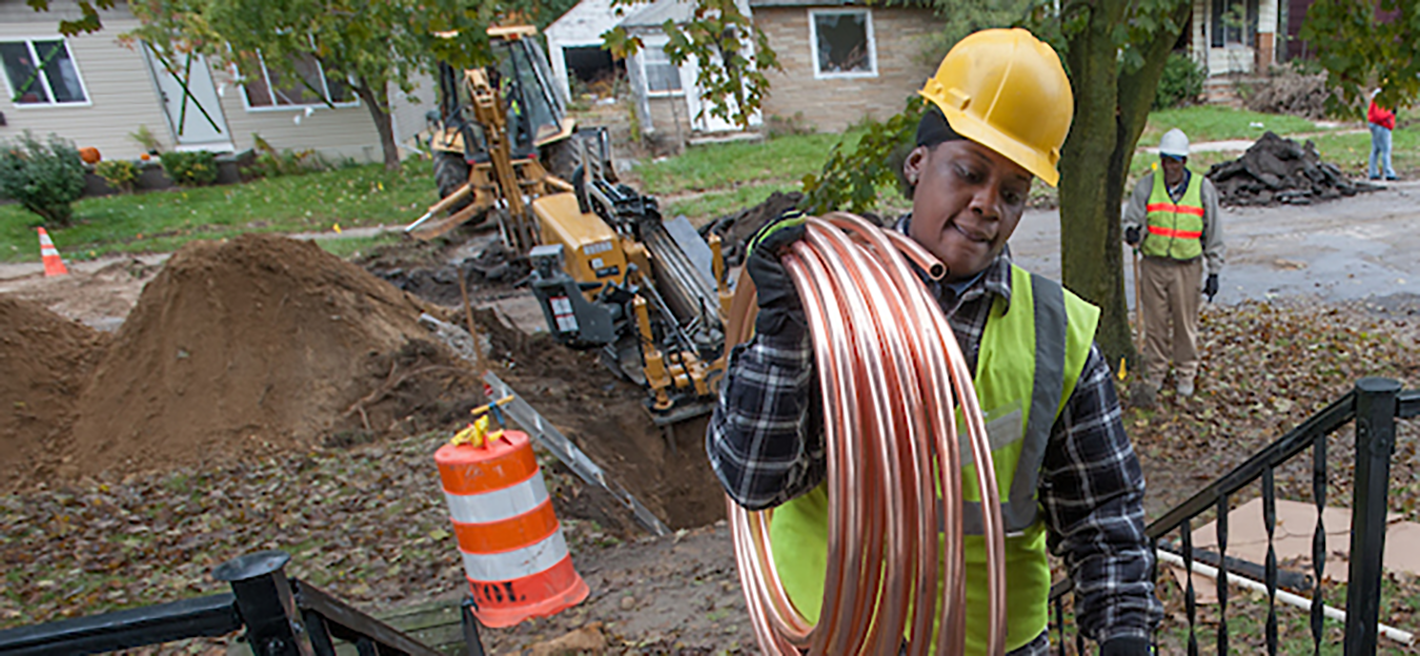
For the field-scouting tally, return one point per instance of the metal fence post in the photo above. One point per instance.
(264, 600)
(472, 642)
(1375, 441)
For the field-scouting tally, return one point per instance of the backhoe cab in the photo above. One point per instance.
(498, 133)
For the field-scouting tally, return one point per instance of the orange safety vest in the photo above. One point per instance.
(1175, 229)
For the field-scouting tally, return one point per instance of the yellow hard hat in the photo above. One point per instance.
(1006, 90)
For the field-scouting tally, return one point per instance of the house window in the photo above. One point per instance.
(1234, 23)
(267, 89)
(843, 45)
(42, 72)
(661, 75)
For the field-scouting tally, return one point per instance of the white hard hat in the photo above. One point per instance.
(1174, 143)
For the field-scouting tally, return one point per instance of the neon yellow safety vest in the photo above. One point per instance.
(1023, 395)
(1175, 229)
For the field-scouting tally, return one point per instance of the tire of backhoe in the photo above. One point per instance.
(450, 173)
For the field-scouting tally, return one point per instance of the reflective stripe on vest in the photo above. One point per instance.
(1023, 397)
(1175, 229)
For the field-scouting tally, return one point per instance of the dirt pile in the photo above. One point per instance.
(1286, 90)
(258, 344)
(45, 361)
(1279, 171)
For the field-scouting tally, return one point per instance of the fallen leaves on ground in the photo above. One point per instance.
(1266, 368)
(369, 525)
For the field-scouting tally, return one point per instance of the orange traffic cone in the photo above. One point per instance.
(53, 266)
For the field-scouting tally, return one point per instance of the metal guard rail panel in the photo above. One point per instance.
(281, 617)
(126, 629)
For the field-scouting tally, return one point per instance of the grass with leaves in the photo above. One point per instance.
(1222, 123)
(162, 221)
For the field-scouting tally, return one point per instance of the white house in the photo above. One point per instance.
(95, 91)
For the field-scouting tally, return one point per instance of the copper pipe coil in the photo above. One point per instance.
(892, 375)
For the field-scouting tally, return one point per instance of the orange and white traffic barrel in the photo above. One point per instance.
(513, 552)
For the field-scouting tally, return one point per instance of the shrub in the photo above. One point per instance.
(120, 174)
(146, 139)
(44, 178)
(271, 164)
(1182, 82)
(190, 169)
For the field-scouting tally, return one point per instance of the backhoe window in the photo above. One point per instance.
(527, 92)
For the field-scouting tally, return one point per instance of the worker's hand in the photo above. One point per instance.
(1131, 235)
(1210, 288)
(779, 306)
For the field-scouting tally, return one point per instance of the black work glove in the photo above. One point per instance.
(779, 306)
(1210, 288)
(1126, 646)
(1131, 235)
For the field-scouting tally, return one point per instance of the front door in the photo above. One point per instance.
(190, 101)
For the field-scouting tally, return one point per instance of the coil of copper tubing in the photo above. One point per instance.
(892, 378)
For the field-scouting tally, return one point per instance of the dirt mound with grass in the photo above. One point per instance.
(46, 360)
(262, 344)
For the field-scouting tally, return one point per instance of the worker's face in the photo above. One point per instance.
(1173, 169)
(968, 201)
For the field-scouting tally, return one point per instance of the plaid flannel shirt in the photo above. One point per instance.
(765, 443)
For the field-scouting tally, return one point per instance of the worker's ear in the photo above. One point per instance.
(913, 165)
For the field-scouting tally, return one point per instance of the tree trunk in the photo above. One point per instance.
(1090, 254)
(376, 98)
(1111, 109)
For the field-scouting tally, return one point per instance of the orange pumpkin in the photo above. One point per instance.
(90, 155)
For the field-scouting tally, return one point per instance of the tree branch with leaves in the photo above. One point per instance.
(731, 53)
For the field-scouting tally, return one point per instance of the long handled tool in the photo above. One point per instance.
(1138, 306)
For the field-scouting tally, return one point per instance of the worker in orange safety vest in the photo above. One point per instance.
(1172, 220)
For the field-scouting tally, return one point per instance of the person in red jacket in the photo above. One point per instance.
(1382, 122)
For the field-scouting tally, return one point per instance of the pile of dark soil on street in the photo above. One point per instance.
(1278, 171)
(46, 361)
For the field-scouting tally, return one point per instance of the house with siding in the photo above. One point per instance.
(96, 91)
(845, 60)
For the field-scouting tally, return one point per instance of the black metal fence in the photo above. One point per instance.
(1374, 405)
(282, 617)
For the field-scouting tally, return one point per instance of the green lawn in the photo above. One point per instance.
(1220, 123)
(164, 220)
(1352, 152)
(722, 166)
(703, 183)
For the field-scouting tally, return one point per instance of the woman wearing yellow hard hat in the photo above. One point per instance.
(1000, 107)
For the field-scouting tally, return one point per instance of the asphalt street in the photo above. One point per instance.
(1358, 248)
